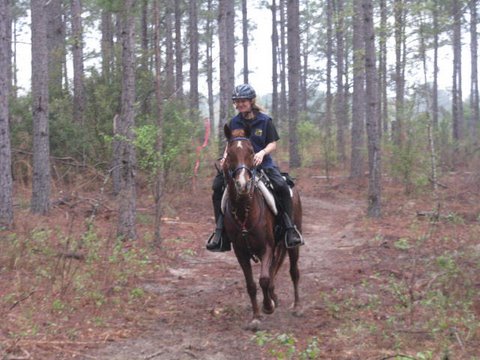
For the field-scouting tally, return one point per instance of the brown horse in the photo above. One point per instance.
(249, 225)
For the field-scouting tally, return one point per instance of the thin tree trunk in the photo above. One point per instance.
(274, 61)
(374, 179)
(160, 179)
(328, 140)
(294, 68)
(170, 80)
(474, 92)
(399, 10)
(245, 41)
(436, 31)
(127, 195)
(194, 99)
(41, 152)
(107, 46)
(78, 71)
(457, 101)
(358, 96)
(209, 59)
(340, 113)
(6, 184)
(179, 49)
(383, 75)
(283, 66)
(226, 18)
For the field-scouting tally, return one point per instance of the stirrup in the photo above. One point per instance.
(218, 244)
(296, 238)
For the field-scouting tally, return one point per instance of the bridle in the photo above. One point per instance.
(250, 186)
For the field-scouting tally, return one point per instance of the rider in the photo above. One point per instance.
(264, 139)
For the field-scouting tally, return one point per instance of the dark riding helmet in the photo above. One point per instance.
(244, 91)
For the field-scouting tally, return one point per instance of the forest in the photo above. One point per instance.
(107, 156)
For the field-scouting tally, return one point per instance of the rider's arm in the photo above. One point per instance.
(258, 158)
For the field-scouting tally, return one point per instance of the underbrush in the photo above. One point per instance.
(69, 281)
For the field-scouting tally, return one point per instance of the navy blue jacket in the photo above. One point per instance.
(263, 132)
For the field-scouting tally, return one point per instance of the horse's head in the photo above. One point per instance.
(238, 166)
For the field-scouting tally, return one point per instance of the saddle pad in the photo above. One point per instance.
(267, 195)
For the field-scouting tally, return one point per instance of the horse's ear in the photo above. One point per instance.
(227, 131)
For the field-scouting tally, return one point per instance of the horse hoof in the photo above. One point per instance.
(253, 325)
(298, 312)
(269, 310)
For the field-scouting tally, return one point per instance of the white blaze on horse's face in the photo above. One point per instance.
(242, 179)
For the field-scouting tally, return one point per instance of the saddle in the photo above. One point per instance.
(263, 184)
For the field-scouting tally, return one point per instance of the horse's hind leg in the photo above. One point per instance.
(293, 255)
(266, 282)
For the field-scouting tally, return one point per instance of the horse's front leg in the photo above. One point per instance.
(244, 261)
(266, 282)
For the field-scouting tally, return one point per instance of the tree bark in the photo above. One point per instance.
(41, 152)
(209, 59)
(194, 57)
(358, 97)
(245, 41)
(78, 70)
(294, 69)
(179, 48)
(340, 110)
(474, 93)
(226, 18)
(457, 99)
(127, 196)
(56, 47)
(107, 43)
(160, 179)
(374, 179)
(274, 61)
(399, 11)
(6, 184)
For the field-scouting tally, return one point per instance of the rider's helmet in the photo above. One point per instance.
(244, 91)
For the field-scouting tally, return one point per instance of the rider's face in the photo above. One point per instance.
(243, 105)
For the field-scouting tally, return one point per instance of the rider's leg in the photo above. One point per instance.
(217, 241)
(292, 235)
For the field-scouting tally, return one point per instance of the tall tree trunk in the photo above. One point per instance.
(56, 47)
(374, 157)
(106, 26)
(226, 18)
(457, 101)
(474, 93)
(209, 60)
(179, 49)
(399, 10)
(41, 152)
(358, 96)
(6, 184)
(245, 41)
(194, 99)
(383, 75)
(294, 69)
(170, 80)
(328, 140)
(283, 66)
(160, 180)
(127, 195)
(274, 61)
(436, 36)
(340, 111)
(78, 71)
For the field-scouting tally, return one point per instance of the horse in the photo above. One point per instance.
(249, 225)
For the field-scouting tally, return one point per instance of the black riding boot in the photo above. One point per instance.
(292, 235)
(218, 240)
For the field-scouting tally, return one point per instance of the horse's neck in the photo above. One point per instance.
(243, 205)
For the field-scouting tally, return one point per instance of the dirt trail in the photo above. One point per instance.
(205, 305)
